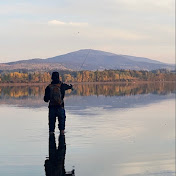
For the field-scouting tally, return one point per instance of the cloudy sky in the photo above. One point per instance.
(46, 28)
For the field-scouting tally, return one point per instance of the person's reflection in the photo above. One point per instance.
(55, 165)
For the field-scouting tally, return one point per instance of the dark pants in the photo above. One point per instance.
(56, 112)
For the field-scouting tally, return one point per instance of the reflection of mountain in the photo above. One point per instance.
(83, 105)
(86, 95)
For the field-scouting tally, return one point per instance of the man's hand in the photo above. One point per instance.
(71, 87)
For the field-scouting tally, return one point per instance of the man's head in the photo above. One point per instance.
(55, 76)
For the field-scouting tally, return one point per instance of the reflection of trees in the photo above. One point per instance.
(21, 91)
(90, 89)
(123, 89)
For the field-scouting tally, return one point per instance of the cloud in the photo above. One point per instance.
(57, 22)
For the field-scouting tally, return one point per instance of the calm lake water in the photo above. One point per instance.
(111, 130)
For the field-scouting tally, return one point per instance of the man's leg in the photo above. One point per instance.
(61, 118)
(52, 119)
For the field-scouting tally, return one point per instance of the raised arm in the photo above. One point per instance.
(66, 86)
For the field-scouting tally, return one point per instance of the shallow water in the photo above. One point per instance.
(111, 130)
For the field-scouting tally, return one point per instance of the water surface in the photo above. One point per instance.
(111, 129)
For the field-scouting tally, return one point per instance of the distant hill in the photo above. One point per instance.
(87, 59)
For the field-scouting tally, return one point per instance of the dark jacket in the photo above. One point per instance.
(63, 87)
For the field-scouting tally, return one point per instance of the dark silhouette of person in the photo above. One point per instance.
(54, 94)
(55, 164)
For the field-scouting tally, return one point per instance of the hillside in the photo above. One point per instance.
(87, 59)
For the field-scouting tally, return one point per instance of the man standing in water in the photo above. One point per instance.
(54, 94)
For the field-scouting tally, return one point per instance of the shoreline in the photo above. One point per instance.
(77, 83)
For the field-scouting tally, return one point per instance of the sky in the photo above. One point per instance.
(47, 28)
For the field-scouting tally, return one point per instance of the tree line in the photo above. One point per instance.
(89, 76)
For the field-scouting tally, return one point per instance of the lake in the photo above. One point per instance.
(111, 130)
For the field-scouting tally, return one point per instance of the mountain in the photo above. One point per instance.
(87, 59)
